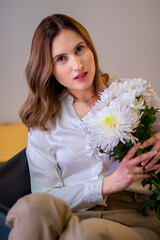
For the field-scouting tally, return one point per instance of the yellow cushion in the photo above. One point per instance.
(13, 138)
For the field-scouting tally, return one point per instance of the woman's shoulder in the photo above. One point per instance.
(37, 137)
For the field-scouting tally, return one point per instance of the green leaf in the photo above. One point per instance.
(152, 205)
(158, 211)
(143, 207)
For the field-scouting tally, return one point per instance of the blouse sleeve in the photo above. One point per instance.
(46, 176)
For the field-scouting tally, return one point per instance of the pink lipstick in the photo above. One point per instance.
(81, 76)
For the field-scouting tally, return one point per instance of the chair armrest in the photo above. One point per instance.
(14, 179)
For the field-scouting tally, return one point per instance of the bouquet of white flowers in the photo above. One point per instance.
(120, 119)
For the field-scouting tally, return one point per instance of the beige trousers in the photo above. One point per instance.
(40, 216)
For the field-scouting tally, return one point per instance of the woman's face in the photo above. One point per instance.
(73, 63)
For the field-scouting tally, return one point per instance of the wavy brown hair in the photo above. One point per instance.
(42, 103)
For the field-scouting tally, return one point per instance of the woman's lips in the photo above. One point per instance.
(81, 76)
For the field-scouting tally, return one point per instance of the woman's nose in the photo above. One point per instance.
(76, 63)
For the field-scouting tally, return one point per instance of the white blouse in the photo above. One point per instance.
(59, 163)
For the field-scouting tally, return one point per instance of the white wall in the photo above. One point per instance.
(126, 35)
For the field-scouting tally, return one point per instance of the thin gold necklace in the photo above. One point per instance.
(84, 100)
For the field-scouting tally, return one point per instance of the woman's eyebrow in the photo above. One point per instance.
(78, 44)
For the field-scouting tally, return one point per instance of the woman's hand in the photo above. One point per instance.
(129, 171)
(150, 165)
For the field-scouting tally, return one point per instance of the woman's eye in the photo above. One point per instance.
(79, 49)
(60, 59)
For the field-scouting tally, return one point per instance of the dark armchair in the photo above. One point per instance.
(14, 180)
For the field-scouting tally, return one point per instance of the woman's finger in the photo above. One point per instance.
(143, 157)
(142, 176)
(132, 151)
(148, 143)
(155, 168)
(154, 148)
(158, 170)
(138, 170)
(153, 161)
(154, 140)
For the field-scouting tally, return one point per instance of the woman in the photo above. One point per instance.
(64, 83)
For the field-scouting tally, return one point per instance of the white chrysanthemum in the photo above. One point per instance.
(136, 86)
(92, 150)
(113, 91)
(115, 115)
(117, 89)
(109, 94)
(138, 104)
(106, 97)
(135, 115)
(110, 125)
(128, 98)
